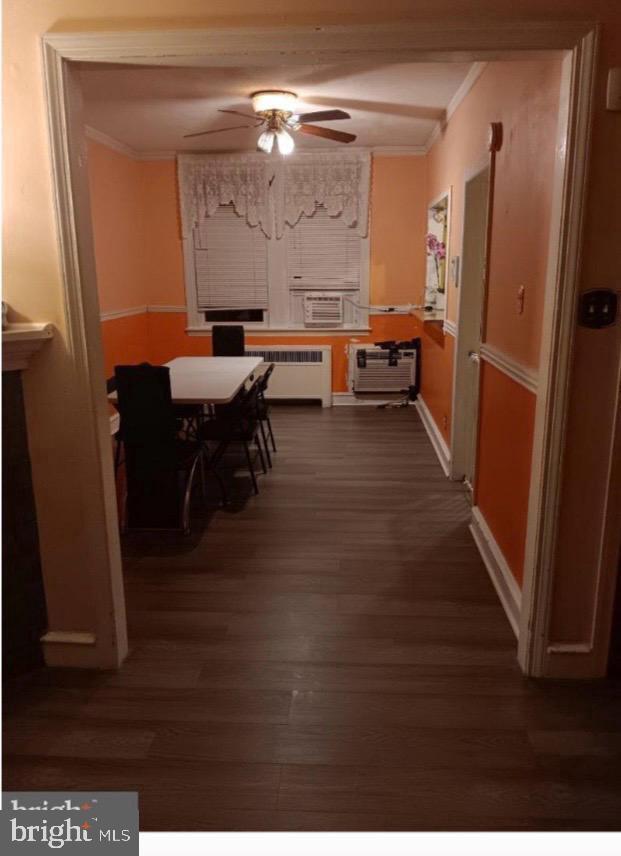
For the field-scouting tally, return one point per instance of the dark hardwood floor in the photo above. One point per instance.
(329, 655)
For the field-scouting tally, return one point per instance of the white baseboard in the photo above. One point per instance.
(349, 398)
(437, 440)
(499, 571)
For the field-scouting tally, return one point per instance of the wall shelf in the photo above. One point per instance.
(429, 317)
(20, 342)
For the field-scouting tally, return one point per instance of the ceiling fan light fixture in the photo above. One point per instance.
(266, 142)
(285, 142)
(274, 99)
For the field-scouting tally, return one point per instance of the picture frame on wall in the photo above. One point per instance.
(436, 246)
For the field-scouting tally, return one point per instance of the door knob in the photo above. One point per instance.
(474, 356)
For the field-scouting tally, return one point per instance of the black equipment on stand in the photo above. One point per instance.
(394, 347)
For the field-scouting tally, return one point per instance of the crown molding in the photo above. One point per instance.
(110, 142)
(476, 70)
(399, 151)
(434, 135)
(123, 149)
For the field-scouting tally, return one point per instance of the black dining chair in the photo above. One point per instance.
(160, 467)
(118, 446)
(263, 410)
(236, 422)
(227, 340)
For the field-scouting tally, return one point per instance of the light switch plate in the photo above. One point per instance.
(613, 90)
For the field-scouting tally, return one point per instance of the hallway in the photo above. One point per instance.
(330, 655)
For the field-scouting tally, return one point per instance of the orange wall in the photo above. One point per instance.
(437, 375)
(397, 225)
(168, 339)
(505, 445)
(163, 263)
(117, 206)
(398, 222)
(123, 263)
(524, 96)
(125, 341)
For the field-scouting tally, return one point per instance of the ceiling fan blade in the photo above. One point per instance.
(217, 130)
(245, 115)
(328, 133)
(324, 116)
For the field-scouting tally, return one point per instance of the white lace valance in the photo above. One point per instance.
(340, 181)
(207, 181)
(269, 192)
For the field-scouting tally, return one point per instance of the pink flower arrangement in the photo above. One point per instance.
(435, 248)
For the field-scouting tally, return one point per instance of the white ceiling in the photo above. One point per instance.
(149, 109)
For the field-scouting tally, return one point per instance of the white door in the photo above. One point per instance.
(471, 297)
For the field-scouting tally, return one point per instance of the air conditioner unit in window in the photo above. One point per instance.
(323, 310)
(374, 369)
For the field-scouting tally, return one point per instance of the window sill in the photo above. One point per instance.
(288, 331)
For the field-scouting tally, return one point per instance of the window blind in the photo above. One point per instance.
(230, 261)
(322, 252)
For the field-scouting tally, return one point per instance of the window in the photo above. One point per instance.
(274, 275)
(230, 262)
(322, 252)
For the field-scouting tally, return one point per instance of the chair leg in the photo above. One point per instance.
(257, 441)
(265, 446)
(211, 463)
(251, 468)
(202, 468)
(117, 455)
(271, 433)
(185, 510)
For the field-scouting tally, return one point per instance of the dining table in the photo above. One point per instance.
(207, 380)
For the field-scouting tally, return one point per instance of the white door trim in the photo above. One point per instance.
(459, 436)
(395, 42)
(562, 281)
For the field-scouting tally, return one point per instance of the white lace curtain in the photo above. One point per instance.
(339, 181)
(207, 181)
(269, 193)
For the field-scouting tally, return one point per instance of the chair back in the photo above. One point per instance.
(265, 379)
(227, 340)
(243, 408)
(148, 432)
(145, 404)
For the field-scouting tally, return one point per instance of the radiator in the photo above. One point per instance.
(300, 371)
(374, 373)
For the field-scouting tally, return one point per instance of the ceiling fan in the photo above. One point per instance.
(275, 109)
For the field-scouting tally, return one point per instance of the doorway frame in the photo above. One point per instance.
(401, 42)
(458, 440)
